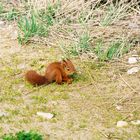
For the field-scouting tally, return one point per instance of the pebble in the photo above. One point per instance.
(45, 115)
(2, 24)
(118, 107)
(21, 66)
(133, 70)
(122, 123)
(132, 60)
(2, 114)
(133, 25)
(136, 122)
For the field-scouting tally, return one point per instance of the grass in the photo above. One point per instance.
(117, 11)
(99, 50)
(114, 13)
(37, 23)
(1, 8)
(29, 27)
(12, 15)
(116, 49)
(77, 107)
(22, 135)
(82, 46)
(87, 107)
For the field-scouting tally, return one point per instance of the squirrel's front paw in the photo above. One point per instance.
(69, 81)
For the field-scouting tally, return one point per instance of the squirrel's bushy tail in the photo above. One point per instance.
(34, 78)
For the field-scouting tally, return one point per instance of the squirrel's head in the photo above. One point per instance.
(68, 66)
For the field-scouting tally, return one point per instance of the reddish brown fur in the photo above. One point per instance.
(55, 72)
(34, 78)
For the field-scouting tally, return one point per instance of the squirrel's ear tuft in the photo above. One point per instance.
(67, 59)
(62, 58)
(63, 63)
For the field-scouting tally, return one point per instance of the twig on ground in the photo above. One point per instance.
(137, 108)
(134, 91)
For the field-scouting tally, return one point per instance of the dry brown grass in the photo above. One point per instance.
(75, 17)
(86, 109)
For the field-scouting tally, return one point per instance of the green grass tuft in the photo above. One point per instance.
(82, 46)
(114, 13)
(1, 8)
(22, 135)
(115, 50)
(12, 15)
(29, 27)
(37, 24)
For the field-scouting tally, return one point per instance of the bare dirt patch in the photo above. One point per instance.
(86, 109)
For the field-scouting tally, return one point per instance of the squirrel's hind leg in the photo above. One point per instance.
(58, 77)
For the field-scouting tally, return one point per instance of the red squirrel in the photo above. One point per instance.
(58, 72)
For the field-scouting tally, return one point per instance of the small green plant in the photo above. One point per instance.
(84, 43)
(99, 51)
(29, 28)
(47, 16)
(82, 17)
(116, 49)
(114, 13)
(22, 135)
(109, 16)
(11, 15)
(1, 8)
(82, 46)
(73, 50)
(9, 137)
(37, 24)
